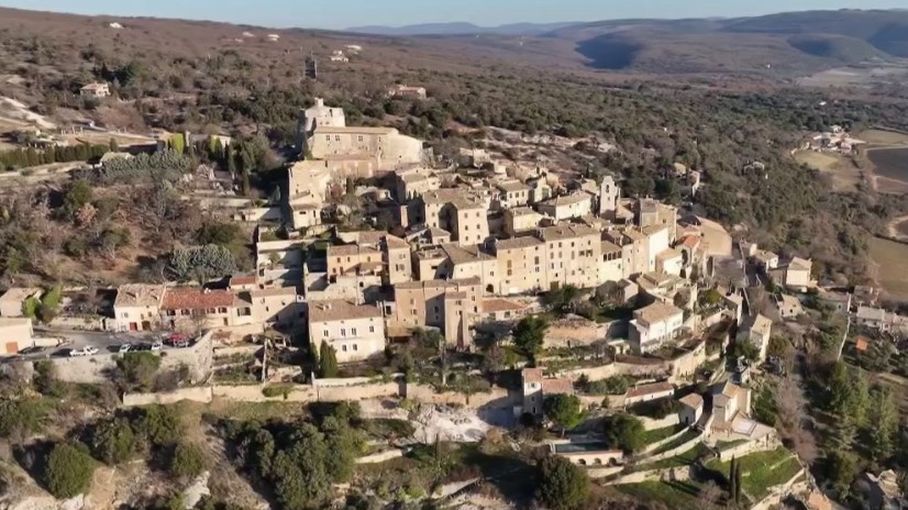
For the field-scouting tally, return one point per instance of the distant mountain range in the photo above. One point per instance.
(461, 28)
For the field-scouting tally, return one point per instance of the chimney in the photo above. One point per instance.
(319, 102)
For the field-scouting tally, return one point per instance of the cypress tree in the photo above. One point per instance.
(732, 479)
(327, 362)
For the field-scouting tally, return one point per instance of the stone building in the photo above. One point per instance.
(451, 306)
(355, 332)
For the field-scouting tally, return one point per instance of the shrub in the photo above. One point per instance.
(139, 368)
(21, 416)
(187, 461)
(563, 486)
(68, 470)
(277, 390)
(114, 441)
(160, 425)
(624, 431)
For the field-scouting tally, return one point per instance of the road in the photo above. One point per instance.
(106, 342)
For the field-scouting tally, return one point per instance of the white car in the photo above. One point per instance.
(90, 350)
(75, 353)
(124, 348)
(157, 346)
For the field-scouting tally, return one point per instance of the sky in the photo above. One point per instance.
(339, 14)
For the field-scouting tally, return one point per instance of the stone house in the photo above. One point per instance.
(137, 307)
(691, 409)
(355, 332)
(756, 330)
(451, 306)
(15, 335)
(654, 325)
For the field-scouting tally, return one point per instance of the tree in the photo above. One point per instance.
(160, 425)
(738, 486)
(178, 143)
(733, 480)
(68, 470)
(562, 300)
(138, 369)
(529, 336)
(564, 410)
(76, 196)
(883, 424)
(113, 145)
(624, 431)
(300, 475)
(114, 441)
(563, 486)
(327, 361)
(841, 468)
(50, 302)
(187, 461)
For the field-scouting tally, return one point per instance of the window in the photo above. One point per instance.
(354, 347)
(344, 348)
(337, 138)
(343, 332)
(125, 315)
(371, 329)
(328, 138)
(325, 333)
(222, 309)
(353, 331)
(359, 138)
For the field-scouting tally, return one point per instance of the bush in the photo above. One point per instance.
(160, 425)
(139, 368)
(202, 262)
(21, 416)
(615, 385)
(624, 431)
(187, 461)
(563, 486)
(114, 441)
(68, 470)
(277, 390)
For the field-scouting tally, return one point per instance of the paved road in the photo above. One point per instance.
(105, 342)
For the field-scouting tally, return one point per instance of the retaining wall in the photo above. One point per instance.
(652, 424)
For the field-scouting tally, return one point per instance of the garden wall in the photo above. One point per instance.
(653, 424)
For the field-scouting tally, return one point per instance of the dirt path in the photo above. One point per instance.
(892, 227)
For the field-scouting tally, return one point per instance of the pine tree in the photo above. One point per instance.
(883, 424)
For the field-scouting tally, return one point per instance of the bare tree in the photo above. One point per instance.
(710, 495)
(792, 408)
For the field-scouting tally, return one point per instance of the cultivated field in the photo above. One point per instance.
(845, 176)
(891, 259)
(883, 137)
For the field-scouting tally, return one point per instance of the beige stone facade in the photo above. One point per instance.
(392, 148)
(355, 332)
(452, 306)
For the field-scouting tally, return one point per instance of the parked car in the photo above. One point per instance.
(75, 353)
(90, 350)
(157, 346)
(124, 348)
(177, 340)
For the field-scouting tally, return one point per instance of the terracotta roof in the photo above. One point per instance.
(139, 294)
(567, 200)
(275, 291)
(350, 249)
(608, 247)
(243, 279)
(194, 298)
(560, 232)
(690, 241)
(861, 343)
(19, 294)
(464, 254)
(649, 389)
(450, 284)
(532, 375)
(512, 186)
(517, 242)
(500, 305)
(656, 312)
(336, 310)
(692, 400)
(557, 387)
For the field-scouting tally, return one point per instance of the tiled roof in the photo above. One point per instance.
(649, 389)
(194, 298)
(243, 279)
(336, 310)
(139, 294)
(559, 386)
(560, 232)
(532, 375)
(19, 294)
(500, 305)
(517, 242)
(692, 400)
(449, 284)
(656, 312)
(464, 254)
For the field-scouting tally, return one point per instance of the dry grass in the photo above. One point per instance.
(891, 260)
(845, 176)
(882, 137)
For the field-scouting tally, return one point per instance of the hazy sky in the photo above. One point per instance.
(335, 14)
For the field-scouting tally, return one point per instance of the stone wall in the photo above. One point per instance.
(573, 331)
(202, 394)
(653, 424)
(95, 369)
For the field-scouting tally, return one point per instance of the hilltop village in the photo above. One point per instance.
(470, 295)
